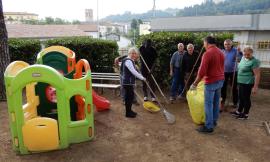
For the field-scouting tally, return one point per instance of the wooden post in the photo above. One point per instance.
(267, 127)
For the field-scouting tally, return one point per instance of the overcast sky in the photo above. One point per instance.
(74, 9)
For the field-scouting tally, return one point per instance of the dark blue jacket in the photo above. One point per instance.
(127, 78)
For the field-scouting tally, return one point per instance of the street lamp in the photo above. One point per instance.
(134, 38)
(97, 21)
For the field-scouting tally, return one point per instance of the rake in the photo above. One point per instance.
(169, 117)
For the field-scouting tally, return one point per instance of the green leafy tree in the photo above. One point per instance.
(76, 22)
(59, 21)
(49, 20)
(134, 24)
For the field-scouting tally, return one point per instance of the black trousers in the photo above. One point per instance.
(150, 80)
(244, 97)
(233, 81)
(129, 96)
(189, 82)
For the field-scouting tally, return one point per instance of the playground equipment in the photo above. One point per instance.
(63, 59)
(52, 127)
(100, 102)
(58, 109)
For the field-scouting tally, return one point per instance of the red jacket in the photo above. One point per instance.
(212, 65)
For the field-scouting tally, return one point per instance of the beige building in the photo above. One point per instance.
(145, 28)
(18, 16)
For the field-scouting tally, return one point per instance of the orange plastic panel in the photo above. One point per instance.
(79, 67)
(89, 108)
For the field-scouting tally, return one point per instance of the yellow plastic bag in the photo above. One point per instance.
(150, 106)
(196, 104)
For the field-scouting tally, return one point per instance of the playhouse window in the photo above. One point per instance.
(77, 108)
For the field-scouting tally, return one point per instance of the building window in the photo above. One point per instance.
(235, 43)
(264, 45)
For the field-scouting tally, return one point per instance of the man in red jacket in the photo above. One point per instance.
(212, 70)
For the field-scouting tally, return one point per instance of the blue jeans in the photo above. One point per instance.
(211, 102)
(177, 82)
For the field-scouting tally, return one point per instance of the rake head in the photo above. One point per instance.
(169, 117)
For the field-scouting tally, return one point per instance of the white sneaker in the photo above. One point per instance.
(180, 97)
(172, 98)
(154, 100)
(145, 99)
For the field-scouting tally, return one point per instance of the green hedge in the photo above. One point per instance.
(24, 49)
(166, 44)
(99, 53)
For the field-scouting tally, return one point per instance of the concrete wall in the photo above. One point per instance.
(92, 34)
(251, 38)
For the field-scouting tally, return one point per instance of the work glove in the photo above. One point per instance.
(193, 87)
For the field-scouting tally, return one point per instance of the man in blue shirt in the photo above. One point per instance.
(176, 72)
(230, 73)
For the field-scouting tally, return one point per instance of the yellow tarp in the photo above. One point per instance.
(196, 104)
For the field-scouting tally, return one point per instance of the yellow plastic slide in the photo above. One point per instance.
(196, 104)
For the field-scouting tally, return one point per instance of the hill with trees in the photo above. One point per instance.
(227, 7)
(207, 8)
(128, 16)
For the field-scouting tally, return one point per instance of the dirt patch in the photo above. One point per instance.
(149, 138)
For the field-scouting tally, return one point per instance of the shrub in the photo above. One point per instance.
(24, 49)
(166, 44)
(99, 53)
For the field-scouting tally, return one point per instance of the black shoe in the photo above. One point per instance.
(132, 112)
(130, 115)
(242, 117)
(235, 113)
(205, 130)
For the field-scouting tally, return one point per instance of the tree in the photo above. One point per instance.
(76, 22)
(4, 54)
(49, 20)
(59, 21)
(134, 24)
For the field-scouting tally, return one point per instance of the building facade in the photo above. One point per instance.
(145, 28)
(17, 17)
(249, 30)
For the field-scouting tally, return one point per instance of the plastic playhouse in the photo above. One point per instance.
(57, 109)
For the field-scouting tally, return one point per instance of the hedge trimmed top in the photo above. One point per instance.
(99, 53)
(166, 44)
